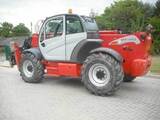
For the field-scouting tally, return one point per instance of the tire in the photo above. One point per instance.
(94, 79)
(27, 43)
(128, 78)
(31, 69)
(12, 60)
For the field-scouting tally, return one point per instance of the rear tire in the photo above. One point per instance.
(12, 60)
(128, 78)
(31, 69)
(102, 74)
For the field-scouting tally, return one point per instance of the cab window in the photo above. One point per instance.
(53, 28)
(74, 25)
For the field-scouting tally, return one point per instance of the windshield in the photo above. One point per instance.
(90, 24)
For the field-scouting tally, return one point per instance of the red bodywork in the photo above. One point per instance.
(136, 57)
(51, 68)
(34, 41)
(17, 53)
(62, 69)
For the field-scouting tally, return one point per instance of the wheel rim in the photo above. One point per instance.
(99, 75)
(28, 68)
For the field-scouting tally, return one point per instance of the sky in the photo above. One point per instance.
(27, 11)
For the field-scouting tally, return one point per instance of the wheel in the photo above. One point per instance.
(27, 43)
(31, 68)
(128, 78)
(12, 60)
(102, 74)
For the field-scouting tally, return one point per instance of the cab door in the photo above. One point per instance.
(75, 33)
(52, 39)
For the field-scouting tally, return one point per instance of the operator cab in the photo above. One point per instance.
(60, 34)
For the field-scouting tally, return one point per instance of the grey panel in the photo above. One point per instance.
(83, 49)
(90, 24)
(93, 35)
(34, 51)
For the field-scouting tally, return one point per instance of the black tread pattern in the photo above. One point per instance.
(38, 69)
(116, 73)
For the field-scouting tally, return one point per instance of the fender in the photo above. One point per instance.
(34, 51)
(109, 51)
(83, 48)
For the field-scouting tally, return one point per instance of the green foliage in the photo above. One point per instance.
(21, 30)
(156, 45)
(127, 15)
(6, 29)
(137, 24)
(101, 21)
(157, 8)
(155, 21)
(155, 66)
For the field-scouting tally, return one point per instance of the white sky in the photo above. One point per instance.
(27, 11)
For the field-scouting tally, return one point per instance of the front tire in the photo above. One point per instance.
(31, 68)
(102, 74)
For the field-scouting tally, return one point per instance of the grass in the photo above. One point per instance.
(155, 67)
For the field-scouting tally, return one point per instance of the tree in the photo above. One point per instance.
(104, 21)
(6, 29)
(157, 8)
(127, 15)
(21, 30)
(101, 21)
(155, 21)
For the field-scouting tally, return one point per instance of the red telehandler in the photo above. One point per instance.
(70, 45)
